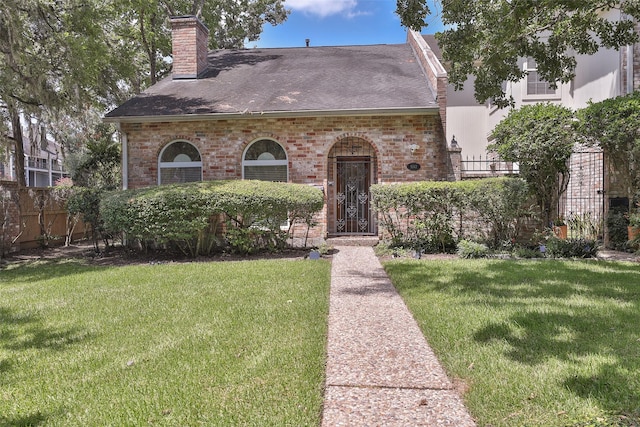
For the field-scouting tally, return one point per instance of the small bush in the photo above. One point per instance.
(502, 204)
(468, 249)
(571, 248)
(85, 201)
(617, 226)
(528, 252)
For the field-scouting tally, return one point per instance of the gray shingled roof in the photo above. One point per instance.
(291, 80)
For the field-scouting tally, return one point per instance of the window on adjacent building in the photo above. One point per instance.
(535, 85)
(179, 162)
(265, 160)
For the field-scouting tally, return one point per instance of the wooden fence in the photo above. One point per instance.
(32, 217)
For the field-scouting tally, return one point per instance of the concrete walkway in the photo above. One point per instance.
(380, 370)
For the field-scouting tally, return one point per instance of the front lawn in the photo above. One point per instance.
(551, 343)
(226, 343)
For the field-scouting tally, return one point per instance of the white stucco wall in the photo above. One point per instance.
(598, 77)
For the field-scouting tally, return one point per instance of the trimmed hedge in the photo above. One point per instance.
(199, 217)
(431, 216)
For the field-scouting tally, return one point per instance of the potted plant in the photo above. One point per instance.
(560, 228)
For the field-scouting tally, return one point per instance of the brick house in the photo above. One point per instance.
(339, 118)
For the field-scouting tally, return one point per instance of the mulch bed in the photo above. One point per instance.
(119, 255)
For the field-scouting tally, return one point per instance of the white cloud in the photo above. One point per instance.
(324, 7)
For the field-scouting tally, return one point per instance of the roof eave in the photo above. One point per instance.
(433, 110)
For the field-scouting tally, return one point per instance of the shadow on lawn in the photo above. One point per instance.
(568, 311)
(31, 420)
(20, 331)
(31, 271)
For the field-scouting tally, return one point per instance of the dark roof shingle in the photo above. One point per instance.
(291, 80)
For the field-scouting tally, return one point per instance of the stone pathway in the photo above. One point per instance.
(380, 370)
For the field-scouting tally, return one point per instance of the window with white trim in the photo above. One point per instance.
(179, 162)
(265, 160)
(535, 85)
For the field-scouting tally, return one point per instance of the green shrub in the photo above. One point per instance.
(85, 201)
(419, 214)
(469, 249)
(528, 252)
(190, 216)
(502, 204)
(431, 216)
(617, 227)
(571, 248)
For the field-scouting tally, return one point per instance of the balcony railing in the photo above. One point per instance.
(43, 164)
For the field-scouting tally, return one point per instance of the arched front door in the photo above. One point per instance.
(352, 170)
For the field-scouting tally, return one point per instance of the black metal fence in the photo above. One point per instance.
(491, 165)
(582, 205)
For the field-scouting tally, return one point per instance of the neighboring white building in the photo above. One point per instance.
(607, 74)
(42, 165)
(598, 77)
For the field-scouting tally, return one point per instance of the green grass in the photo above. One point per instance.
(549, 343)
(228, 343)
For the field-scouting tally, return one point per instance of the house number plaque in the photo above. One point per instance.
(413, 166)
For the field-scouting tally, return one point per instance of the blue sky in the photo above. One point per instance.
(339, 22)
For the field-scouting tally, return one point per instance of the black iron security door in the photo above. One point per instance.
(352, 198)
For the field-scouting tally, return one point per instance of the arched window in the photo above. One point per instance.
(265, 160)
(179, 161)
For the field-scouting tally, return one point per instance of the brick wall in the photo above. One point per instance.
(307, 142)
(190, 39)
(434, 70)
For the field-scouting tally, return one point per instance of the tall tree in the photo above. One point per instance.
(230, 22)
(57, 58)
(60, 59)
(487, 38)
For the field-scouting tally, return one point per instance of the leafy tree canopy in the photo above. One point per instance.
(540, 137)
(56, 58)
(614, 126)
(486, 39)
(59, 59)
(230, 23)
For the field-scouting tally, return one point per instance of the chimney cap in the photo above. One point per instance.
(188, 18)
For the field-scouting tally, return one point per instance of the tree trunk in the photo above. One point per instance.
(18, 140)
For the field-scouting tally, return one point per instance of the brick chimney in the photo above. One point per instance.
(190, 38)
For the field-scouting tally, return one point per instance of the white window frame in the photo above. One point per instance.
(285, 225)
(530, 66)
(284, 162)
(177, 165)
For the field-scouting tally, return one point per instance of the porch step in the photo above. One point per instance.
(353, 241)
